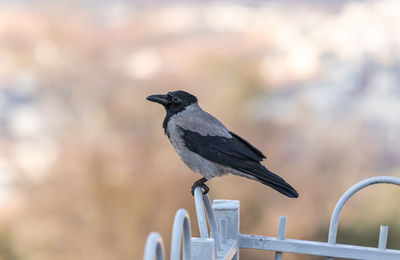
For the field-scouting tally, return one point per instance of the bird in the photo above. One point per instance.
(209, 148)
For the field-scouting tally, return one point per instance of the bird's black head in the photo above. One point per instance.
(174, 102)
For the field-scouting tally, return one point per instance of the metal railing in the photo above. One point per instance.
(224, 239)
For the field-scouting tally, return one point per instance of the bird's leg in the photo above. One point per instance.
(200, 183)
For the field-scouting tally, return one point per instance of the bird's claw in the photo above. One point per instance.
(200, 183)
(205, 189)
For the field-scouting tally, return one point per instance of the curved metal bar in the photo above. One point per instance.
(211, 220)
(347, 195)
(201, 217)
(181, 225)
(154, 247)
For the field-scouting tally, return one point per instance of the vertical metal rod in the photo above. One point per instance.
(281, 234)
(212, 221)
(201, 217)
(383, 234)
(278, 256)
(282, 227)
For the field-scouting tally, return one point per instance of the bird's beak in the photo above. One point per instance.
(161, 99)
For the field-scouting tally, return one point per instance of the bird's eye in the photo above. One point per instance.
(175, 99)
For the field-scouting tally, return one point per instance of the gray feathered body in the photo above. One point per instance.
(193, 118)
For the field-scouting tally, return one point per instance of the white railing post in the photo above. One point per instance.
(227, 218)
(212, 221)
(383, 234)
(281, 235)
(203, 248)
(201, 217)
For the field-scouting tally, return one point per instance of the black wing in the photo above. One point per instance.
(238, 154)
(249, 146)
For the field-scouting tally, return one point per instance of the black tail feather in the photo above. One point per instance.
(270, 179)
(285, 189)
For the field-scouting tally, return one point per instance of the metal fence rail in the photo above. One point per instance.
(223, 240)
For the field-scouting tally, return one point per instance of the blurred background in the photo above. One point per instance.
(86, 171)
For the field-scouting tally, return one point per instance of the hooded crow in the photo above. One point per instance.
(207, 147)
